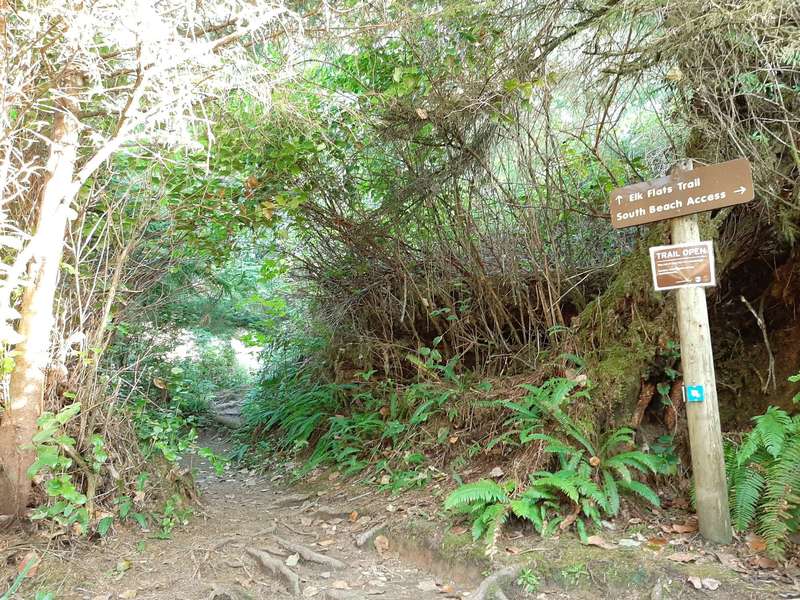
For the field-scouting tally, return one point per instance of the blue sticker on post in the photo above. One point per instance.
(695, 393)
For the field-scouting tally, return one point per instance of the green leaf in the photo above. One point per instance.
(642, 490)
(104, 525)
(483, 491)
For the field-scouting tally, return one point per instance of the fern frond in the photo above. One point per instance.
(620, 468)
(522, 508)
(639, 488)
(581, 527)
(562, 481)
(590, 510)
(612, 492)
(746, 487)
(484, 491)
(590, 490)
(535, 494)
(780, 501)
(622, 436)
(635, 459)
(493, 519)
(772, 427)
(553, 445)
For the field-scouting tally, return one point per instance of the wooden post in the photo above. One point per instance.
(705, 434)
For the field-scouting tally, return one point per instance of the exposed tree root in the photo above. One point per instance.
(297, 531)
(490, 588)
(224, 542)
(308, 554)
(645, 396)
(365, 537)
(339, 595)
(290, 500)
(221, 591)
(277, 569)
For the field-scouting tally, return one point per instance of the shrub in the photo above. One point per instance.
(588, 477)
(764, 478)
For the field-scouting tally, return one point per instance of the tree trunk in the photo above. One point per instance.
(26, 390)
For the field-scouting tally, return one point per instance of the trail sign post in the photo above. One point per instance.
(679, 196)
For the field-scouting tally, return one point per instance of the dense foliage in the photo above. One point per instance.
(764, 478)
(403, 207)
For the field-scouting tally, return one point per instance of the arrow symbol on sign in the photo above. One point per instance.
(740, 190)
(619, 200)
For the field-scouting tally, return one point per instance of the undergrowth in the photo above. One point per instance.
(70, 475)
(583, 485)
(764, 479)
(370, 429)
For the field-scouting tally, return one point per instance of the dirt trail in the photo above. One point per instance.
(215, 556)
(308, 529)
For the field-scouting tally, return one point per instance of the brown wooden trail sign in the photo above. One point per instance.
(686, 266)
(682, 193)
(683, 265)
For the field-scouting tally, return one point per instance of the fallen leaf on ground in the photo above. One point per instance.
(291, 561)
(696, 582)
(30, 562)
(340, 584)
(381, 544)
(447, 589)
(688, 526)
(710, 583)
(353, 516)
(513, 550)
(681, 503)
(310, 591)
(656, 542)
(683, 557)
(458, 530)
(496, 472)
(428, 585)
(128, 594)
(568, 521)
(596, 540)
(122, 565)
(627, 543)
(755, 542)
(326, 543)
(762, 562)
(730, 561)
(705, 583)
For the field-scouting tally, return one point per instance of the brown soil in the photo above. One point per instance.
(209, 557)
(426, 558)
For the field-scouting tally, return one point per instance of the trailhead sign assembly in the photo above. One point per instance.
(681, 265)
(687, 266)
(682, 193)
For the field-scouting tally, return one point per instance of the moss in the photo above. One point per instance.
(621, 330)
(462, 547)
